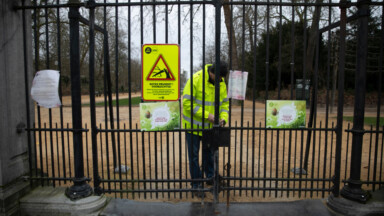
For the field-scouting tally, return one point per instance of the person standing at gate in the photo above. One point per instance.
(197, 116)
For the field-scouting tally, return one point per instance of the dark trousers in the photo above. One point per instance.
(193, 142)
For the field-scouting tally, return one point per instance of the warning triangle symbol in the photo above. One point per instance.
(160, 71)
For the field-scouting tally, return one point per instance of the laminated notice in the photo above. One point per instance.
(45, 88)
(237, 84)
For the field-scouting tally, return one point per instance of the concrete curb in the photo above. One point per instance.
(52, 201)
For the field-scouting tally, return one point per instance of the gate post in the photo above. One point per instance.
(80, 189)
(218, 4)
(352, 190)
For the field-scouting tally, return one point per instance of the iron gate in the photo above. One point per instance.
(278, 42)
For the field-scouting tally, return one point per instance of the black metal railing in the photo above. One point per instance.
(276, 42)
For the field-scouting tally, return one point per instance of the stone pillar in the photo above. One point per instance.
(14, 155)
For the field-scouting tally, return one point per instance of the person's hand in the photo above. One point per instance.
(211, 118)
(222, 123)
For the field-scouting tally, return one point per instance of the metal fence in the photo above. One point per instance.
(96, 47)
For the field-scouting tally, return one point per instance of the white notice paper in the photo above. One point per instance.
(237, 85)
(45, 88)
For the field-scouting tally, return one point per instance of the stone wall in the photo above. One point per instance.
(14, 159)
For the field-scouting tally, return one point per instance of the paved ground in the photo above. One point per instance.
(303, 207)
(48, 201)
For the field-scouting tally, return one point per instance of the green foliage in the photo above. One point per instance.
(367, 120)
(373, 55)
(272, 48)
(256, 59)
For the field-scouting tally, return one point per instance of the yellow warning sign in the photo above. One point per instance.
(160, 72)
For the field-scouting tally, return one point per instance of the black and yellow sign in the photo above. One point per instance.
(160, 72)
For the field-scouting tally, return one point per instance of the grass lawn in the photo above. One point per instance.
(122, 102)
(367, 120)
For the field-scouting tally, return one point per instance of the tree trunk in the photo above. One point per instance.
(312, 38)
(231, 35)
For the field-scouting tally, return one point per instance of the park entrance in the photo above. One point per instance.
(324, 52)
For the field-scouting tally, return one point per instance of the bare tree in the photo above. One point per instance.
(231, 34)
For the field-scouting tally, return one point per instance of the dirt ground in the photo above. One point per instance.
(268, 155)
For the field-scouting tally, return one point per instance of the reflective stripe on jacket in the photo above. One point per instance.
(196, 97)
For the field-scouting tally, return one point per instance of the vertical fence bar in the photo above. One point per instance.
(280, 59)
(156, 167)
(161, 162)
(289, 160)
(86, 147)
(191, 80)
(46, 150)
(278, 95)
(235, 158)
(304, 51)
(204, 87)
(314, 96)
(301, 161)
(218, 6)
(37, 63)
(35, 149)
(47, 65)
(94, 129)
(174, 163)
(254, 45)
(27, 99)
(58, 21)
(181, 126)
(339, 127)
(347, 152)
(69, 153)
(327, 96)
(118, 167)
(57, 152)
(129, 93)
(143, 160)
(101, 156)
(331, 152)
(271, 164)
(259, 160)
(230, 8)
(168, 176)
(370, 154)
(379, 95)
(125, 157)
(292, 64)
(80, 189)
(246, 158)
(137, 159)
(105, 84)
(150, 160)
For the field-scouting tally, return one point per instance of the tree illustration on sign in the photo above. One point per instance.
(160, 72)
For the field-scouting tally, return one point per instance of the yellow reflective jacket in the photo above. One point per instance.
(196, 96)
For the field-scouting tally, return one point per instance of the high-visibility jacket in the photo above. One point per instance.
(196, 96)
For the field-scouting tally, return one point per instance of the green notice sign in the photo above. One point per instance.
(285, 114)
(159, 116)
